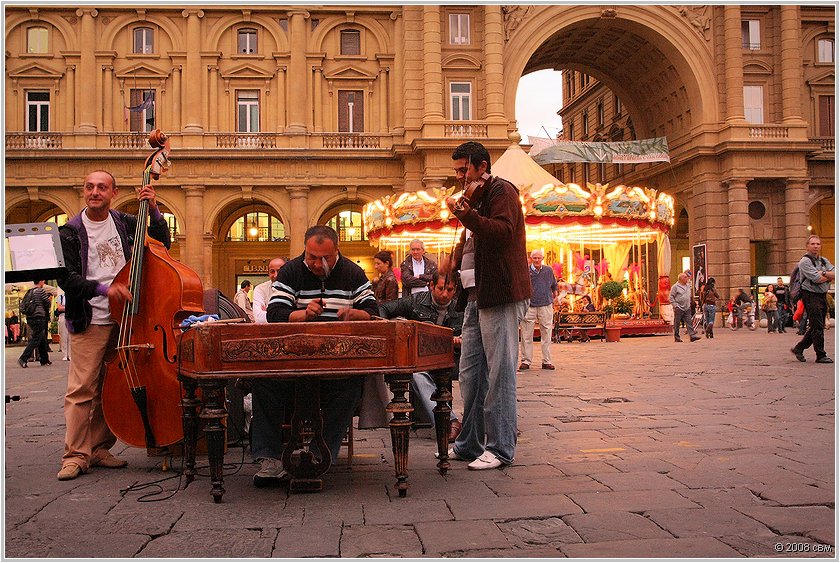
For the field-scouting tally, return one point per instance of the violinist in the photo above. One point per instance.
(491, 256)
(96, 246)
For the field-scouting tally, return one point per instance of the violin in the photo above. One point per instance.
(472, 193)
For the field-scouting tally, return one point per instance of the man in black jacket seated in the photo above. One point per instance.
(435, 306)
(319, 285)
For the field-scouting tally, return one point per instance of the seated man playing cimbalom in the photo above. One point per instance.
(319, 285)
(436, 306)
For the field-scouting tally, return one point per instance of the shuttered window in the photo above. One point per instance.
(144, 40)
(142, 114)
(754, 104)
(461, 96)
(825, 51)
(751, 34)
(351, 42)
(351, 111)
(248, 41)
(37, 111)
(459, 29)
(248, 111)
(36, 40)
(826, 109)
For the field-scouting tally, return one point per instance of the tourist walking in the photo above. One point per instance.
(816, 273)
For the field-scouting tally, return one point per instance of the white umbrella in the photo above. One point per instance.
(664, 259)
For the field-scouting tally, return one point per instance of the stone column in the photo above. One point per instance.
(796, 221)
(396, 97)
(70, 88)
(792, 81)
(494, 43)
(317, 102)
(432, 66)
(739, 234)
(734, 64)
(383, 100)
(297, 71)
(299, 215)
(108, 98)
(192, 101)
(207, 245)
(176, 98)
(87, 68)
(281, 99)
(193, 254)
(213, 94)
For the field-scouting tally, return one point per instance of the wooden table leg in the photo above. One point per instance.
(212, 412)
(305, 470)
(189, 418)
(443, 421)
(400, 407)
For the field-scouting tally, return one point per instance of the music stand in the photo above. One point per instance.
(33, 252)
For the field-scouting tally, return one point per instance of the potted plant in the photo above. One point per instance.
(54, 332)
(610, 291)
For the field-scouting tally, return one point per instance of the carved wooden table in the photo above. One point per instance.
(214, 353)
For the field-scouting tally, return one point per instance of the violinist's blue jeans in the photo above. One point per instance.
(271, 400)
(489, 350)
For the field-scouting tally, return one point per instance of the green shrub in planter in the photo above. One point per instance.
(623, 306)
(611, 290)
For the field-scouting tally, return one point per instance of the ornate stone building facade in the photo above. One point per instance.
(285, 117)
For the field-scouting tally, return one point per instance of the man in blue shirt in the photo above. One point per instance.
(816, 273)
(543, 292)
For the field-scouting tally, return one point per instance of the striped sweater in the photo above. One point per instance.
(296, 286)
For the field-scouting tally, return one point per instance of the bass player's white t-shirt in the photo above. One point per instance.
(105, 260)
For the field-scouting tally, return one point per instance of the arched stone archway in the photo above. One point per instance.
(633, 51)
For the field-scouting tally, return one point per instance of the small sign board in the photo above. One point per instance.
(33, 252)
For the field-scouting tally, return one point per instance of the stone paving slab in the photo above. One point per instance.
(655, 548)
(599, 527)
(630, 501)
(620, 450)
(446, 537)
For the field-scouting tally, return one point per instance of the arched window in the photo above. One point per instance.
(144, 40)
(348, 224)
(59, 219)
(172, 222)
(257, 226)
(36, 40)
(247, 41)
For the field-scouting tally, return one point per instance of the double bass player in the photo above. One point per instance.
(96, 245)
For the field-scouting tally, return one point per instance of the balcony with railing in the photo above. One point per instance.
(465, 129)
(33, 140)
(768, 132)
(246, 140)
(826, 143)
(350, 141)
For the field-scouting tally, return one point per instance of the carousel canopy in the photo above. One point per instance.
(593, 214)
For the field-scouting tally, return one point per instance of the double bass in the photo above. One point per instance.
(141, 394)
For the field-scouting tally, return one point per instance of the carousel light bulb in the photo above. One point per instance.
(444, 214)
(598, 210)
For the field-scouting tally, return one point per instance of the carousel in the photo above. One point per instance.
(590, 235)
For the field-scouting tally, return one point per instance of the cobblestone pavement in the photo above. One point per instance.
(642, 448)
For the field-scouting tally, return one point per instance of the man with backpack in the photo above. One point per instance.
(36, 306)
(810, 283)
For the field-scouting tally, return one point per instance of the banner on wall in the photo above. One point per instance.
(619, 152)
(698, 267)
